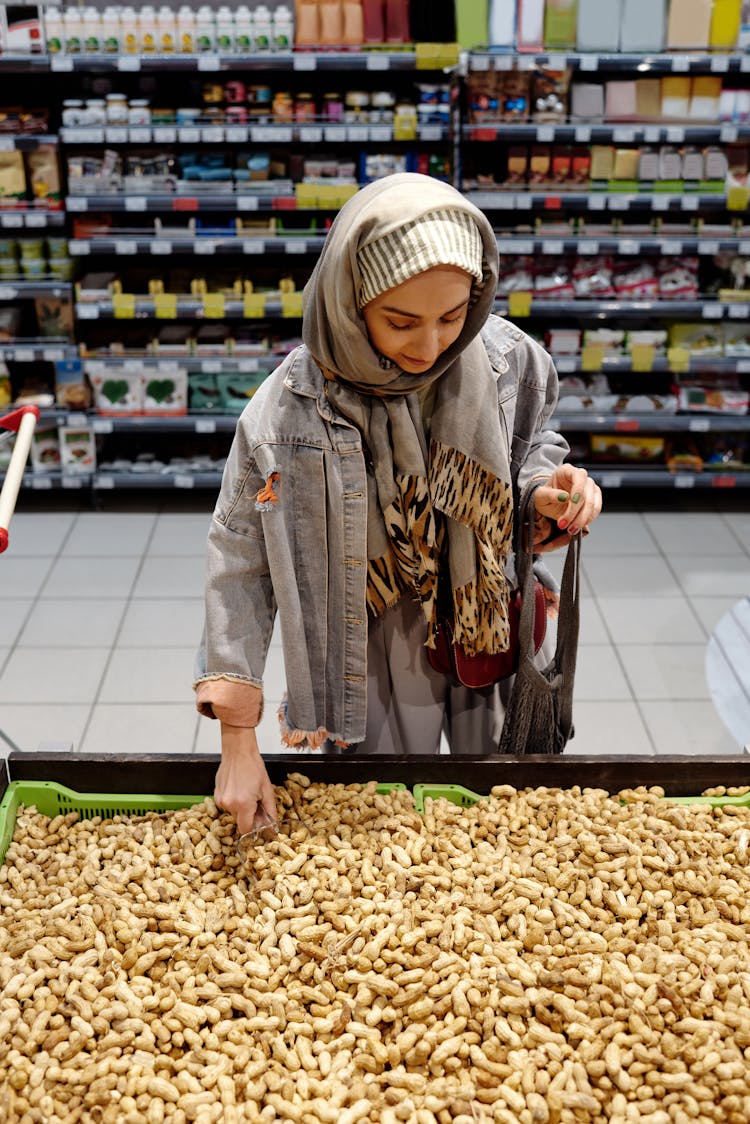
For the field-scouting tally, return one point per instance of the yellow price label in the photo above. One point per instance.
(344, 194)
(255, 306)
(213, 306)
(738, 197)
(308, 194)
(678, 359)
(123, 306)
(642, 357)
(592, 357)
(436, 56)
(519, 304)
(291, 305)
(165, 306)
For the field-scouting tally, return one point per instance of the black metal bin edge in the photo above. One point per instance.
(188, 774)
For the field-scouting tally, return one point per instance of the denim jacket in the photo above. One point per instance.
(289, 535)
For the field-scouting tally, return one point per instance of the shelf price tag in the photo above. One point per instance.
(254, 306)
(592, 358)
(304, 61)
(61, 64)
(123, 306)
(678, 359)
(205, 425)
(642, 357)
(165, 306)
(519, 304)
(738, 197)
(436, 56)
(378, 61)
(182, 480)
(291, 305)
(209, 62)
(124, 248)
(128, 63)
(213, 306)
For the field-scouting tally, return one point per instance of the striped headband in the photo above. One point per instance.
(442, 237)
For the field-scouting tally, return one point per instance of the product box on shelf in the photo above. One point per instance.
(726, 20)
(164, 393)
(643, 25)
(598, 26)
(45, 448)
(117, 392)
(21, 29)
(72, 391)
(689, 24)
(77, 449)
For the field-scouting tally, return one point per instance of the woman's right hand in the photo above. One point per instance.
(242, 786)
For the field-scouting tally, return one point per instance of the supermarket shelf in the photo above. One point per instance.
(233, 309)
(268, 61)
(248, 134)
(22, 290)
(31, 220)
(682, 62)
(707, 309)
(25, 142)
(35, 351)
(111, 481)
(558, 199)
(215, 365)
(606, 132)
(126, 245)
(591, 422)
(622, 364)
(204, 245)
(189, 308)
(567, 422)
(613, 476)
(520, 244)
(269, 199)
(150, 481)
(608, 477)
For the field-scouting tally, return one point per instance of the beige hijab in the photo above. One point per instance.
(452, 499)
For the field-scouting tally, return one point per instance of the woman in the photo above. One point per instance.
(382, 453)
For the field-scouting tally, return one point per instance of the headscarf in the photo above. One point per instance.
(453, 497)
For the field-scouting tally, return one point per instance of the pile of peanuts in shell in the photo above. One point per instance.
(542, 957)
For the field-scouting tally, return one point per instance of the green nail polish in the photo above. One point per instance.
(562, 497)
(576, 497)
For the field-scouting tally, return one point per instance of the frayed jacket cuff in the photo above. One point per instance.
(238, 702)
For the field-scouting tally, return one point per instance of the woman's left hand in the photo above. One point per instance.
(571, 500)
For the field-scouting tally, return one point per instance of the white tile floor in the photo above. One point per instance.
(100, 614)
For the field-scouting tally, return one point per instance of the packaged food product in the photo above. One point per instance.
(628, 448)
(12, 175)
(699, 339)
(77, 449)
(164, 393)
(117, 392)
(45, 448)
(72, 391)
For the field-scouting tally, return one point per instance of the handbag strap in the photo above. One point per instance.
(569, 613)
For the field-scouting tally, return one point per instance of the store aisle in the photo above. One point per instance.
(100, 614)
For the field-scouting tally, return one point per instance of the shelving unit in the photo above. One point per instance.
(198, 226)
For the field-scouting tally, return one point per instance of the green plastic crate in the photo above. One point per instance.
(455, 793)
(52, 799)
(713, 801)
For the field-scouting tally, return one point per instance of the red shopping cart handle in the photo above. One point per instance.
(13, 420)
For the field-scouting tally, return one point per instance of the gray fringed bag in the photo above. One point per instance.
(539, 716)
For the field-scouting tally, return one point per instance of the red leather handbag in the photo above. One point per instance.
(449, 658)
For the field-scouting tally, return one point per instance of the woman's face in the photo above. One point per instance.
(417, 321)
